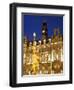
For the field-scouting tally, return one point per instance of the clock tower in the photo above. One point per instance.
(44, 31)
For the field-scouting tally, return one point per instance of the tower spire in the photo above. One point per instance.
(34, 36)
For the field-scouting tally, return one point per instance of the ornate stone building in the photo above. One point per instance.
(43, 56)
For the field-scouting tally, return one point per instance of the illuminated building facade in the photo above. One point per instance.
(43, 56)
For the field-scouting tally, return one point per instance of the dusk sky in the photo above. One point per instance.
(33, 23)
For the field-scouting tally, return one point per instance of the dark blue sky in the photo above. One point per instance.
(33, 23)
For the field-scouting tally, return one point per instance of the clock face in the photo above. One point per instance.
(43, 31)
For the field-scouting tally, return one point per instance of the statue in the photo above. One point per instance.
(35, 59)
